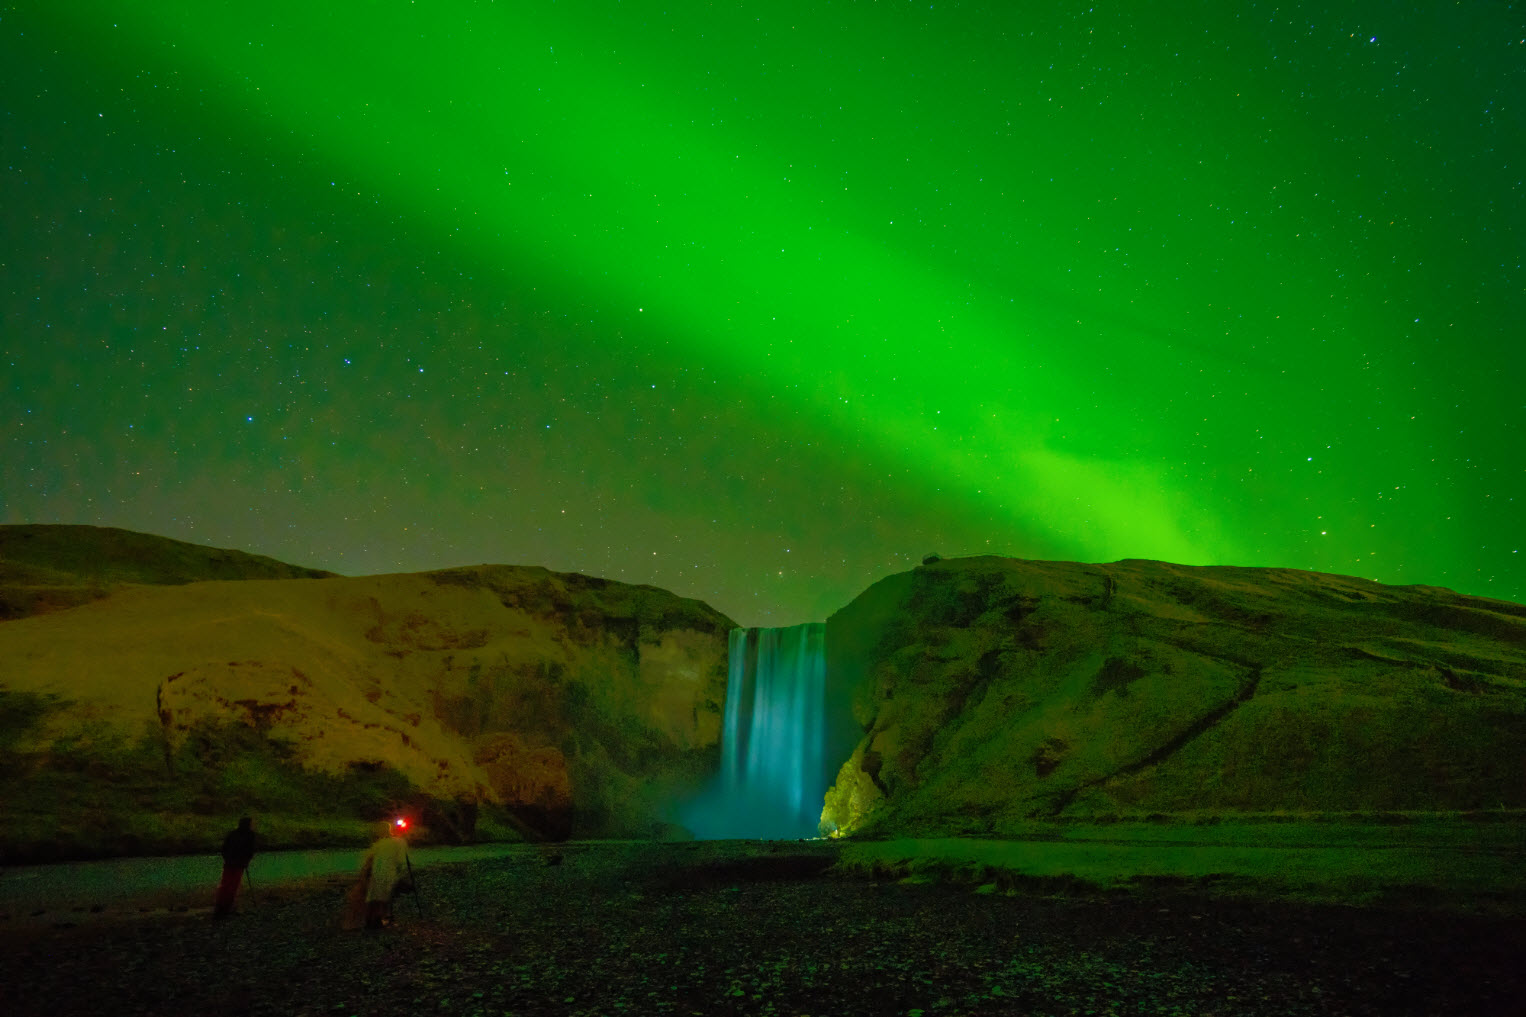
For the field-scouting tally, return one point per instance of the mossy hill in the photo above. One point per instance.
(490, 699)
(48, 568)
(989, 692)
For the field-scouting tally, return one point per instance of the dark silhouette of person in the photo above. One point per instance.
(238, 850)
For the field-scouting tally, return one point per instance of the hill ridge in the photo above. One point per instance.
(54, 566)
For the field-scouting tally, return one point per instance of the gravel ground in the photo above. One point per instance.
(653, 929)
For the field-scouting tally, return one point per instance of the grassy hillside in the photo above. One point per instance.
(994, 691)
(495, 696)
(50, 568)
(90, 790)
(1442, 862)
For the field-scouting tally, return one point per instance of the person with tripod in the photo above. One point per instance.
(238, 852)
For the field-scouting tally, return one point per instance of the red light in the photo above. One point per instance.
(400, 823)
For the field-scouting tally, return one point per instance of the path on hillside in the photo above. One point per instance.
(646, 930)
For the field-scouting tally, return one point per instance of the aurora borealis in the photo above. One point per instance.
(760, 302)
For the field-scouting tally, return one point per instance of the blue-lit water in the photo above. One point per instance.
(773, 754)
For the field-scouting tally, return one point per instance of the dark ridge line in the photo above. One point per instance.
(1215, 654)
(1436, 663)
(1394, 662)
(1193, 730)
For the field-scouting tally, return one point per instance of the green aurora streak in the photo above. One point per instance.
(1205, 283)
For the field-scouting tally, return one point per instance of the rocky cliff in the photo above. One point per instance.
(567, 704)
(990, 691)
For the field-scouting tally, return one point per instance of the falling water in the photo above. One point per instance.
(772, 743)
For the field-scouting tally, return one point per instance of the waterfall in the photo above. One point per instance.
(773, 754)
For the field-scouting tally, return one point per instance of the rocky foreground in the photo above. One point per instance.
(655, 929)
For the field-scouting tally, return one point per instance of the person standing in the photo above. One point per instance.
(238, 850)
(384, 867)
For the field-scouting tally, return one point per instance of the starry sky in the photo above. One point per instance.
(762, 301)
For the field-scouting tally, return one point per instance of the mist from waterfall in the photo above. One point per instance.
(773, 755)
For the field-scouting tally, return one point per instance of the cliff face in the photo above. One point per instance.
(989, 691)
(572, 704)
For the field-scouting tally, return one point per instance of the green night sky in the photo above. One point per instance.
(759, 302)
